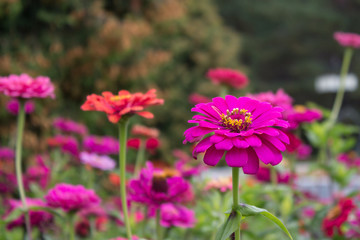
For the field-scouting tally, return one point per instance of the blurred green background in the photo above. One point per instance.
(96, 45)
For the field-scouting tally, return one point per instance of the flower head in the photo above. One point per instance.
(101, 145)
(142, 131)
(13, 106)
(350, 159)
(6, 153)
(102, 162)
(229, 77)
(176, 216)
(264, 175)
(154, 187)
(347, 39)
(222, 184)
(69, 126)
(196, 98)
(68, 144)
(337, 216)
(123, 104)
(278, 99)
(38, 173)
(71, 197)
(243, 128)
(38, 218)
(24, 86)
(300, 114)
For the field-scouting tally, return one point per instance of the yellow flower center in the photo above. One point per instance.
(334, 213)
(300, 108)
(120, 97)
(236, 120)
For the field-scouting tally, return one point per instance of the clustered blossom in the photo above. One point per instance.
(347, 39)
(102, 162)
(176, 216)
(71, 197)
(68, 144)
(243, 129)
(101, 145)
(154, 188)
(228, 77)
(69, 126)
(123, 104)
(24, 86)
(337, 216)
(13, 106)
(38, 218)
(150, 144)
(264, 175)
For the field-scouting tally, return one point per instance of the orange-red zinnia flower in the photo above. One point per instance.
(125, 103)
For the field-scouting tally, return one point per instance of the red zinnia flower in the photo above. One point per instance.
(230, 77)
(337, 216)
(125, 103)
(244, 128)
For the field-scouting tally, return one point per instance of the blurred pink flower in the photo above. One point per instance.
(68, 144)
(151, 144)
(101, 145)
(38, 218)
(8, 183)
(71, 197)
(229, 77)
(350, 159)
(69, 126)
(186, 170)
(39, 173)
(6, 153)
(354, 231)
(102, 162)
(303, 151)
(176, 216)
(24, 86)
(244, 130)
(264, 175)
(13, 106)
(347, 39)
(278, 99)
(142, 131)
(300, 114)
(123, 238)
(222, 184)
(308, 212)
(154, 187)
(196, 98)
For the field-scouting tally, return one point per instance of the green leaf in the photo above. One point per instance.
(249, 210)
(230, 226)
(15, 214)
(55, 212)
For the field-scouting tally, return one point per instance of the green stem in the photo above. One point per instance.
(235, 190)
(71, 226)
(273, 176)
(18, 167)
(223, 91)
(341, 91)
(158, 226)
(123, 125)
(140, 158)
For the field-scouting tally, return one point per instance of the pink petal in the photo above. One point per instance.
(213, 156)
(216, 138)
(202, 146)
(275, 142)
(252, 165)
(268, 153)
(253, 141)
(226, 144)
(240, 143)
(220, 103)
(236, 157)
(232, 102)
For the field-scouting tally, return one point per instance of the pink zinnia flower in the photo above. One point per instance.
(300, 114)
(350, 159)
(102, 162)
(304, 151)
(151, 144)
(71, 197)
(196, 98)
(69, 126)
(154, 188)
(222, 184)
(68, 144)
(122, 238)
(142, 131)
(347, 39)
(13, 106)
(101, 145)
(278, 99)
(6, 153)
(176, 216)
(38, 218)
(229, 77)
(38, 173)
(8, 182)
(24, 86)
(125, 103)
(243, 129)
(264, 175)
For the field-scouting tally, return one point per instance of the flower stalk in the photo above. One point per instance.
(158, 226)
(18, 166)
(123, 127)
(235, 189)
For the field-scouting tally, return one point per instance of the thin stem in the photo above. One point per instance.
(71, 226)
(158, 226)
(140, 158)
(18, 167)
(223, 91)
(341, 91)
(123, 125)
(235, 190)
(273, 176)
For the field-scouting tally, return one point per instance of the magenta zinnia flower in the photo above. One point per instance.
(347, 39)
(243, 128)
(6, 153)
(154, 187)
(102, 162)
(13, 106)
(38, 218)
(176, 216)
(69, 126)
(229, 77)
(71, 197)
(101, 145)
(24, 86)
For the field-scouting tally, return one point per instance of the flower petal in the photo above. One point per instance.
(213, 156)
(226, 144)
(239, 143)
(252, 165)
(268, 153)
(253, 141)
(236, 157)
